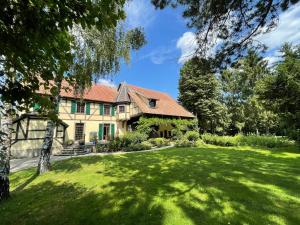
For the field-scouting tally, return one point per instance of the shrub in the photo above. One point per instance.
(199, 143)
(192, 136)
(116, 145)
(184, 142)
(159, 142)
(219, 140)
(145, 145)
(176, 134)
(251, 140)
(134, 138)
(102, 147)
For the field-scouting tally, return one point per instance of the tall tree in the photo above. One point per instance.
(228, 26)
(34, 43)
(199, 92)
(280, 91)
(238, 86)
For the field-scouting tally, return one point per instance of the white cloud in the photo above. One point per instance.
(140, 13)
(106, 82)
(187, 43)
(161, 55)
(288, 29)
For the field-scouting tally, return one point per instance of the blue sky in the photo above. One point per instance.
(170, 43)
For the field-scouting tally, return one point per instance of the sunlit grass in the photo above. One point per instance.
(209, 185)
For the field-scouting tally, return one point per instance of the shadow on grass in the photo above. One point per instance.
(174, 186)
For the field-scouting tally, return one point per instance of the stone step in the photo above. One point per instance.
(72, 151)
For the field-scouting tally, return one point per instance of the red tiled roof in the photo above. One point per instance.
(97, 92)
(165, 105)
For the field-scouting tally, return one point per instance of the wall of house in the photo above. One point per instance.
(32, 148)
(91, 122)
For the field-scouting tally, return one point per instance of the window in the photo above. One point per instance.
(152, 103)
(79, 135)
(106, 109)
(80, 107)
(121, 108)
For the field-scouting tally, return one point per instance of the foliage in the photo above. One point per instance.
(159, 142)
(139, 146)
(251, 140)
(98, 53)
(280, 91)
(254, 175)
(184, 142)
(199, 92)
(192, 136)
(148, 125)
(35, 43)
(134, 137)
(226, 28)
(246, 114)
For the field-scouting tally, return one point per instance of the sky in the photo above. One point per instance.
(170, 43)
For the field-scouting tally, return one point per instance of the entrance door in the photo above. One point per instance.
(106, 132)
(79, 131)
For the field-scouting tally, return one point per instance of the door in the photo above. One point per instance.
(106, 134)
(79, 131)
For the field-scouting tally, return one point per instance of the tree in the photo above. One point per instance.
(199, 92)
(228, 26)
(238, 86)
(280, 91)
(35, 45)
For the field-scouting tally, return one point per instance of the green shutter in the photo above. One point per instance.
(36, 107)
(113, 110)
(73, 107)
(87, 108)
(112, 130)
(100, 133)
(101, 109)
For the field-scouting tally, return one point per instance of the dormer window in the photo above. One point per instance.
(152, 103)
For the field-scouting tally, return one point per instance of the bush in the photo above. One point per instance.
(219, 140)
(145, 145)
(251, 140)
(184, 142)
(116, 145)
(134, 138)
(102, 147)
(159, 142)
(192, 136)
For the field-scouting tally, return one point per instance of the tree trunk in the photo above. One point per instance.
(44, 162)
(5, 144)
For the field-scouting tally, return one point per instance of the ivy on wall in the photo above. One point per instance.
(147, 125)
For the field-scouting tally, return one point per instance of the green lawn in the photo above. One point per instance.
(211, 185)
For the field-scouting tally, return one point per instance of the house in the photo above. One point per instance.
(103, 112)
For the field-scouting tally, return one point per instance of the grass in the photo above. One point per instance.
(177, 186)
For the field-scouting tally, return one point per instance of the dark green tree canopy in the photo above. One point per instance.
(199, 92)
(231, 24)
